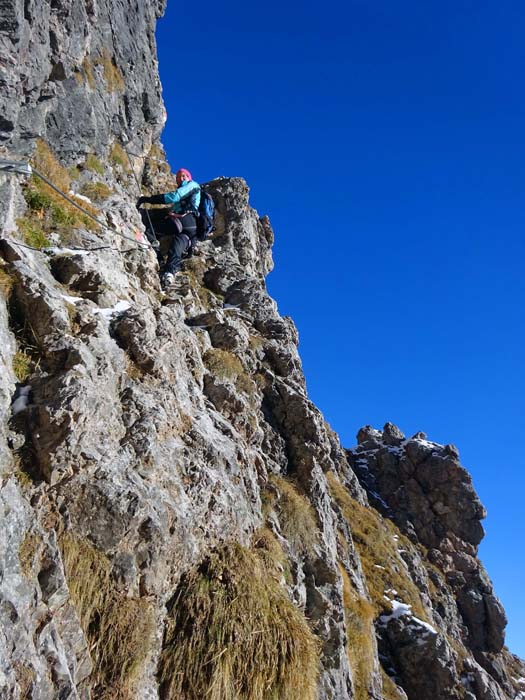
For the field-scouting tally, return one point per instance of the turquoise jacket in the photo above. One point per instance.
(187, 197)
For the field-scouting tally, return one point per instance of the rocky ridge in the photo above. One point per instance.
(179, 519)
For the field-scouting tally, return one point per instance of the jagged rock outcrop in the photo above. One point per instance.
(177, 516)
(421, 486)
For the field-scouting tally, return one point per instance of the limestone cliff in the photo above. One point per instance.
(178, 520)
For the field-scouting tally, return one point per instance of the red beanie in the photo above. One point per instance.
(180, 172)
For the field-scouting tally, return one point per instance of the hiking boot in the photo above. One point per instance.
(167, 279)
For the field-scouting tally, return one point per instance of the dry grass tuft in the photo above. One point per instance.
(377, 540)
(73, 172)
(96, 191)
(27, 553)
(296, 515)
(118, 157)
(256, 342)
(23, 478)
(233, 634)
(196, 267)
(359, 616)
(7, 282)
(47, 210)
(119, 629)
(88, 73)
(223, 364)
(47, 163)
(390, 689)
(112, 75)
(271, 554)
(226, 365)
(93, 164)
(132, 369)
(25, 677)
(32, 232)
(22, 365)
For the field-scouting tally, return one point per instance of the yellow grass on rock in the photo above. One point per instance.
(233, 634)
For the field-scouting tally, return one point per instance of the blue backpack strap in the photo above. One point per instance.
(206, 215)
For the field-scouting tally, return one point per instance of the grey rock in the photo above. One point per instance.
(392, 435)
(135, 443)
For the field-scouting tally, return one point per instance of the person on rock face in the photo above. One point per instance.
(180, 224)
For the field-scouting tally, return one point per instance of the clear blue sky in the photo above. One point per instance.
(386, 142)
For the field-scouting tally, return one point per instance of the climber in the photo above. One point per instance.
(180, 223)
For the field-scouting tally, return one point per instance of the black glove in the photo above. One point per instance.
(154, 199)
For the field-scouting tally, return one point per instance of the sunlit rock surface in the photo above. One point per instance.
(160, 455)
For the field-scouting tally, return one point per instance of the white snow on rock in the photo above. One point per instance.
(22, 400)
(400, 609)
(54, 250)
(434, 446)
(72, 300)
(119, 308)
(80, 196)
(424, 624)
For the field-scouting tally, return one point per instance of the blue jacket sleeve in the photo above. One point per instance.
(183, 191)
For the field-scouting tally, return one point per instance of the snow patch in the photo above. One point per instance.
(72, 300)
(22, 400)
(400, 609)
(65, 251)
(425, 625)
(426, 443)
(80, 196)
(119, 308)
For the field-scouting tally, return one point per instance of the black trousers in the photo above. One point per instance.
(178, 233)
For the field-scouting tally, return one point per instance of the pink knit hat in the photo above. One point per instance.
(182, 171)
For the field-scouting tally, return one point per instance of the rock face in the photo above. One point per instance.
(79, 74)
(178, 518)
(421, 486)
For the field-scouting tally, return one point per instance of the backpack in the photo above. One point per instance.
(206, 216)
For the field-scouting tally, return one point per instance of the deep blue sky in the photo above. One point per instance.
(386, 142)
